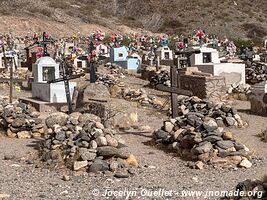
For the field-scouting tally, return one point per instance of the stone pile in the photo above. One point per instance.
(108, 80)
(21, 121)
(162, 77)
(256, 73)
(198, 134)
(81, 142)
(237, 88)
(141, 96)
(116, 70)
(250, 189)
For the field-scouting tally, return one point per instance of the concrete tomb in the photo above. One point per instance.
(46, 69)
(120, 57)
(208, 61)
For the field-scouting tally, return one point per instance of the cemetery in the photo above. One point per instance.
(98, 111)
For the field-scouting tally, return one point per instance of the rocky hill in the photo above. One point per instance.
(239, 18)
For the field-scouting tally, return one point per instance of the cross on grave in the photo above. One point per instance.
(175, 88)
(92, 67)
(66, 76)
(10, 44)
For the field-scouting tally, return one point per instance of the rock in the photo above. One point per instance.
(79, 165)
(101, 141)
(178, 133)
(227, 135)
(99, 125)
(168, 126)
(95, 91)
(99, 165)
(114, 165)
(132, 171)
(205, 157)
(60, 136)
(87, 154)
(134, 117)
(210, 126)
(86, 117)
(212, 138)
(123, 153)
(230, 121)
(24, 135)
(160, 134)
(111, 141)
(56, 118)
(115, 91)
(36, 135)
(93, 144)
(202, 148)
(235, 159)
(11, 134)
(131, 160)
(121, 174)
(194, 121)
(225, 144)
(17, 123)
(199, 165)
(107, 151)
(239, 120)
(225, 108)
(220, 122)
(245, 163)
(65, 178)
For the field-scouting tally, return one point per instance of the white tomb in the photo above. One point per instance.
(10, 56)
(102, 50)
(80, 62)
(164, 53)
(46, 69)
(208, 61)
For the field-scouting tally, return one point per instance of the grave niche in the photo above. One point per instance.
(46, 69)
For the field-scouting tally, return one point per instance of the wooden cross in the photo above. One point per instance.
(174, 90)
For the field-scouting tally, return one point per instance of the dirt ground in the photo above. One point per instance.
(25, 178)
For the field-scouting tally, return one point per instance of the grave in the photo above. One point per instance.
(258, 98)
(68, 47)
(80, 62)
(120, 57)
(46, 69)
(201, 84)
(47, 94)
(102, 50)
(208, 61)
(165, 55)
(10, 56)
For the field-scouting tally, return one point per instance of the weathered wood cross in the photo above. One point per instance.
(175, 87)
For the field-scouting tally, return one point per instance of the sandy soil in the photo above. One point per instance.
(25, 178)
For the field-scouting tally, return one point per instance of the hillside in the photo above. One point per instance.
(239, 18)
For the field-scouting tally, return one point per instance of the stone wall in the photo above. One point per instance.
(203, 87)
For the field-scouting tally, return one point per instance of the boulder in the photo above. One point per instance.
(99, 165)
